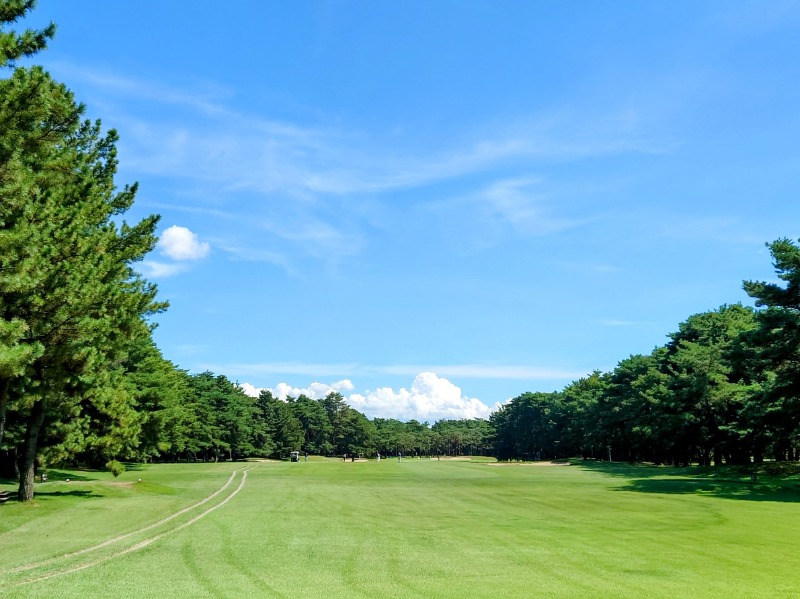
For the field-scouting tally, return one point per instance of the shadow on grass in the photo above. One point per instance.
(766, 491)
(59, 475)
(627, 470)
(53, 476)
(81, 475)
(728, 482)
(82, 493)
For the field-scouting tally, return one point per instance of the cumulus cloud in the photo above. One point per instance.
(179, 243)
(250, 390)
(430, 398)
(314, 390)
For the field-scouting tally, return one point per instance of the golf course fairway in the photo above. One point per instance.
(410, 528)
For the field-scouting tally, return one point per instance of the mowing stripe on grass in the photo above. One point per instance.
(401, 530)
(135, 547)
(126, 535)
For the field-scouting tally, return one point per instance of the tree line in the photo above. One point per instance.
(81, 380)
(178, 416)
(725, 388)
(207, 417)
(203, 417)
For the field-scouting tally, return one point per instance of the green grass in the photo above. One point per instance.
(416, 528)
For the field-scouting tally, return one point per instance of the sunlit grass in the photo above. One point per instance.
(415, 528)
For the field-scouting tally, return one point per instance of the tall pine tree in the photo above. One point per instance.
(70, 300)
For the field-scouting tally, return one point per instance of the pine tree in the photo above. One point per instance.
(775, 350)
(70, 299)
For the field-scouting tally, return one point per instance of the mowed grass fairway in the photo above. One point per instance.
(416, 528)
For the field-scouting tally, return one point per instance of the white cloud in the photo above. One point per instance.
(159, 270)
(430, 398)
(220, 151)
(250, 390)
(255, 255)
(519, 203)
(206, 102)
(314, 390)
(248, 152)
(179, 243)
(244, 151)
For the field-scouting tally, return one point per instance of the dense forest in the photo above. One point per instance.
(82, 382)
(724, 389)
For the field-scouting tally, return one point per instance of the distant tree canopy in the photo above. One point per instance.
(724, 389)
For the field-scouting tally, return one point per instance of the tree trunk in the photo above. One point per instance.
(3, 406)
(27, 460)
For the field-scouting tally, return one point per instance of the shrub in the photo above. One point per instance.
(116, 467)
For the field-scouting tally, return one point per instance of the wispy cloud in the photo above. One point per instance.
(202, 210)
(208, 102)
(160, 270)
(305, 182)
(251, 151)
(255, 255)
(521, 203)
(476, 371)
(318, 236)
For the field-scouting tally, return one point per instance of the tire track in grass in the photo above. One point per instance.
(236, 562)
(198, 574)
(140, 545)
(122, 537)
(353, 573)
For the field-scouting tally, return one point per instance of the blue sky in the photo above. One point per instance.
(433, 207)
